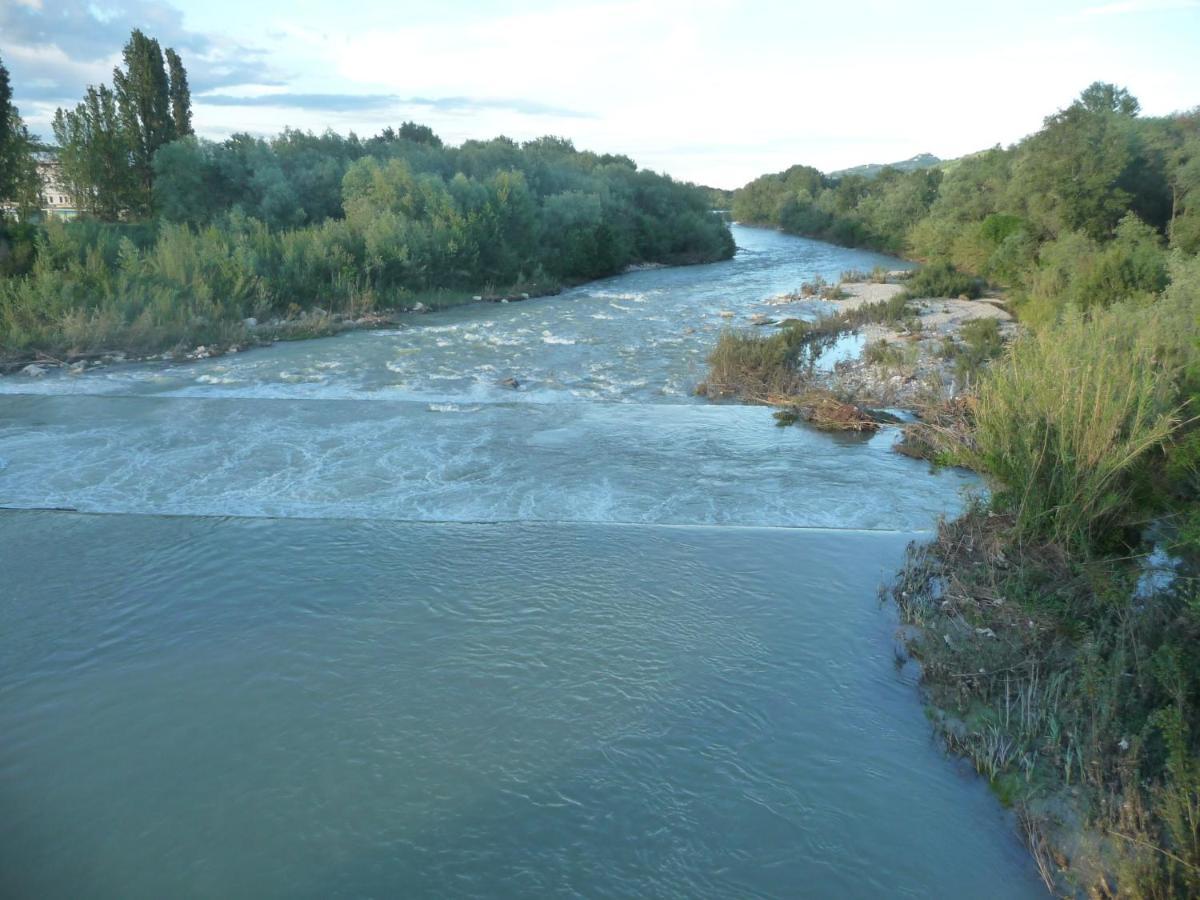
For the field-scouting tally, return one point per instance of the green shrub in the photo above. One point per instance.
(941, 279)
(894, 310)
(755, 366)
(888, 355)
(1066, 416)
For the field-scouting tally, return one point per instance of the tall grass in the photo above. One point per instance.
(941, 279)
(981, 342)
(1065, 417)
(124, 287)
(754, 366)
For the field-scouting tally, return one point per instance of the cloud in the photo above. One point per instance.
(387, 102)
(54, 48)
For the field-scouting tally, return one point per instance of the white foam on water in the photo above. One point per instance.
(453, 408)
(302, 378)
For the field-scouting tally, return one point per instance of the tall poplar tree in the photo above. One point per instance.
(7, 113)
(181, 95)
(144, 100)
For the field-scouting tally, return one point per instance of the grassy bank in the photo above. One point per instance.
(1054, 659)
(93, 290)
(1053, 655)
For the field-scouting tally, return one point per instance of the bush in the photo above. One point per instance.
(755, 366)
(18, 248)
(941, 279)
(888, 355)
(894, 310)
(1066, 417)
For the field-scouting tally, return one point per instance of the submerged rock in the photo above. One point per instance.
(509, 382)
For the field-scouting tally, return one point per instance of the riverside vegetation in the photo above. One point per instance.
(1059, 654)
(183, 240)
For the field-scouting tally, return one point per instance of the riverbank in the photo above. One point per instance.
(249, 333)
(132, 344)
(1035, 672)
(1053, 654)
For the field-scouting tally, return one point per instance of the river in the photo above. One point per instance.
(350, 618)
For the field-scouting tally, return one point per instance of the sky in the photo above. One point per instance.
(711, 91)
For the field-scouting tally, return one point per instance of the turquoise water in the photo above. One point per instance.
(347, 618)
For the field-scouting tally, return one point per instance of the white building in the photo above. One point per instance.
(56, 200)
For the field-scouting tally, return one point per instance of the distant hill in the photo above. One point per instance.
(870, 170)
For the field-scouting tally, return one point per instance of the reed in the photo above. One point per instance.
(1066, 416)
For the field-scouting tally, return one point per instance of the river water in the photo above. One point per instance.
(349, 618)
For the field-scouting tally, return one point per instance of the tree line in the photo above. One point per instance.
(1082, 212)
(182, 236)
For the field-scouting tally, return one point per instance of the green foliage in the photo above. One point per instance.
(305, 221)
(180, 94)
(1075, 271)
(143, 94)
(1069, 413)
(7, 111)
(94, 155)
(1068, 685)
(1074, 215)
(853, 209)
(19, 182)
(1076, 173)
(1184, 173)
(941, 279)
(895, 310)
(889, 355)
(108, 142)
(754, 366)
(18, 248)
(980, 343)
